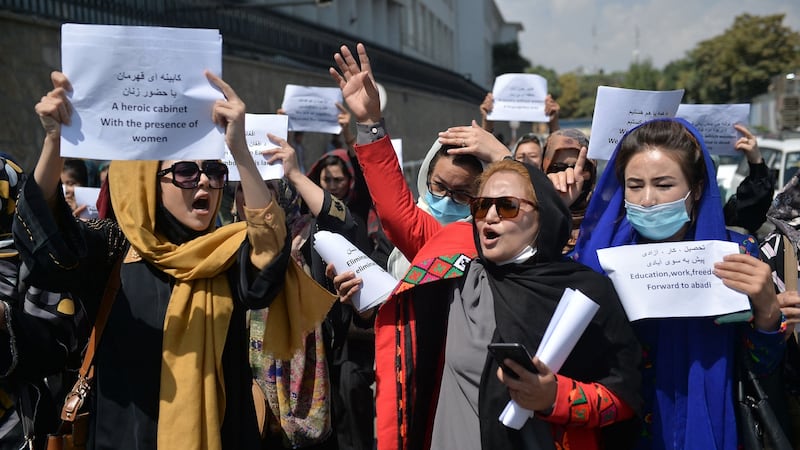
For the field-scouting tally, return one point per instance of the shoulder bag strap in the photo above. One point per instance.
(790, 269)
(789, 265)
(79, 392)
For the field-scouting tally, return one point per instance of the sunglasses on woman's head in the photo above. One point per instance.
(507, 207)
(186, 174)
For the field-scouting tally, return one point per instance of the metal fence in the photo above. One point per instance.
(254, 33)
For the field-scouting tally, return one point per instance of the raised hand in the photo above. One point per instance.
(285, 153)
(569, 183)
(486, 108)
(229, 113)
(54, 108)
(747, 144)
(474, 140)
(357, 84)
(551, 107)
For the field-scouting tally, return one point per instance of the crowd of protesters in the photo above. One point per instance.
(200, 349)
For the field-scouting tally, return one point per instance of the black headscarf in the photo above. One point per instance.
(525, 298)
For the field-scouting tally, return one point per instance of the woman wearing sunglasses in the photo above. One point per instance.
(661, 187)
(572, 174)
(171, 366)
(438, 388)
(447, 175)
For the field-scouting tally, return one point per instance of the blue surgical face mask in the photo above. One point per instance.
(445, 210)
(658, 222)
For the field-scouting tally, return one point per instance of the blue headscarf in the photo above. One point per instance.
(688, 362)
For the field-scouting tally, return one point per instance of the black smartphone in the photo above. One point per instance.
(513, 351)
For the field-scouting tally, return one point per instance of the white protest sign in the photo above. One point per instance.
(617, 110)
(87, 196)
(139, 93)
(256, 128)
(125, 31)
(345, 257)
(570, 319)
(715, 123)
(312, 108)
(397, 144)
(519, 96)
(671, 279)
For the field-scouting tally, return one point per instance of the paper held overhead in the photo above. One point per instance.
(312, 108)
(141, 92)
(715, 123)
(256, 128)
(617, 110)
(519, 97)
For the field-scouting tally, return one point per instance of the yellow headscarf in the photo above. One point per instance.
(192, 394)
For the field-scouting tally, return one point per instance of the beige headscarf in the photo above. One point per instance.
(192, 394)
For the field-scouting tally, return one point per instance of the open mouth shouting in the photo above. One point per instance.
(489, 237)
(201, 204)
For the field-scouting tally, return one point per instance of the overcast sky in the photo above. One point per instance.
(601, 34)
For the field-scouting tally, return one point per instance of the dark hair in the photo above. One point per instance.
(530, 137)
(77, 169)
(333, 160)
(468, 162)
(677, 142)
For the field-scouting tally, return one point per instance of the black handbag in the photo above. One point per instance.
(759, 427)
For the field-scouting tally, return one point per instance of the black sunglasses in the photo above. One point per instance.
(440, 191)
(186, 174)
(507, 207)
(560, 167)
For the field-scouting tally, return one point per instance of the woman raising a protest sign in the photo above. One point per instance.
(171, 366)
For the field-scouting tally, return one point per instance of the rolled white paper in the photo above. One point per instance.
(573, 314)
(377, 283)
(570, 319)
(515, 416)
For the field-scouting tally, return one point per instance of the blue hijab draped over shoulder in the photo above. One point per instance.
(687, 362)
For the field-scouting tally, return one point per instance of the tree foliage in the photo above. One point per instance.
(553, 86)
(734, 66)
(642, 75)
(738, 64)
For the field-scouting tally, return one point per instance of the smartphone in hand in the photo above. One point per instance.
(515, 352)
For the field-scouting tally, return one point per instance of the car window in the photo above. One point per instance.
(792, 164)
(772, 157)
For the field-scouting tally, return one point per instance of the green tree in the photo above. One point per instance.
(570, 94)
(680, 74)
(506, 59)
(553, 87)
(738, 64)
(642, 75)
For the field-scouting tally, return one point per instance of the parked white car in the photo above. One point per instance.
(782, 156)
(726, 170)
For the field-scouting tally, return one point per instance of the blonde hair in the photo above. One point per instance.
(509, 165)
